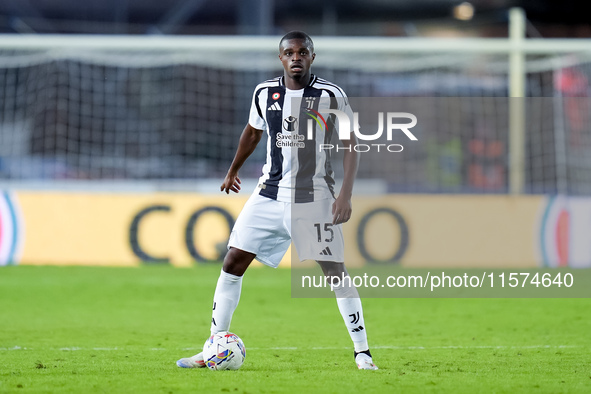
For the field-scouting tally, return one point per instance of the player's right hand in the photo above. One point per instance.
(231, 182)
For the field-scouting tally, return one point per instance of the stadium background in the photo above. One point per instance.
(118, 120)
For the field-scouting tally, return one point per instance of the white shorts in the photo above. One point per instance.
(266, 227)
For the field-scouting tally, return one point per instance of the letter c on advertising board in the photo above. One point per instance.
(404, 235)
(134, 234)
(189, 233)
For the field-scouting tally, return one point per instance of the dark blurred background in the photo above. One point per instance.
(168, 113)
(484, 18)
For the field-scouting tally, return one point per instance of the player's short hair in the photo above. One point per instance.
(297, 34)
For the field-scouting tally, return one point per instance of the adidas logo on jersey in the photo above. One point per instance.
(326, 252)
(274, 107)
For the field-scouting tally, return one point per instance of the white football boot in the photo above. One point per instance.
(192, 362)
(364, 361)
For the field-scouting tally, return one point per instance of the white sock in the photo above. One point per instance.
(225, 301)
(352, 312)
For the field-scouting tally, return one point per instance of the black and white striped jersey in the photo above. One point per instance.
(296, 169)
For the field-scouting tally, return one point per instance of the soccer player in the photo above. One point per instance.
(295, 193)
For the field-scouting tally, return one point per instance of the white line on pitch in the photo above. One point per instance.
(311, 348)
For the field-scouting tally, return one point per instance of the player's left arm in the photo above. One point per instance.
(342, 208)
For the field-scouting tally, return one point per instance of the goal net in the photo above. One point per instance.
(158, 111)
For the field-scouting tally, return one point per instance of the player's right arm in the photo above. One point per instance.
(248, 141)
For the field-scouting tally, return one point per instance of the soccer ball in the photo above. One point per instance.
(224, 350)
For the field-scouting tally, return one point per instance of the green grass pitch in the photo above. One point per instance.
(120, 330)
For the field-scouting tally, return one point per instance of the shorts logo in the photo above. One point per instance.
(10, 227)
(289, 123)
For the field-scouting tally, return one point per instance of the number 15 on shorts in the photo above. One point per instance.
(324, 231)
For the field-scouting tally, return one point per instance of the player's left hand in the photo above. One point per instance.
(341, 210)
(231, 182)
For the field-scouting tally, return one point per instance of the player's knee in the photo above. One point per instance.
(234, 267)
(332, 269)
(237, 261)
